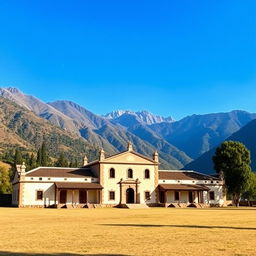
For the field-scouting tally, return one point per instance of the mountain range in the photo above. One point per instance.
(179, 143)
(20, 127)
(245, 135)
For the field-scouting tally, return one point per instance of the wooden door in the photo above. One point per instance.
(162, 197)
(190, 197)
(82, 196)
(63, 196)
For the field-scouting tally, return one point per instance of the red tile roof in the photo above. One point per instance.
(78, 185)
(184, 175)
(182, 187)
(61, 172)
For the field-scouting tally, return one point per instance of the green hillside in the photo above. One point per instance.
(21, 128)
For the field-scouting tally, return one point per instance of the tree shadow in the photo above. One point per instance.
(177, 226)
(6, 253)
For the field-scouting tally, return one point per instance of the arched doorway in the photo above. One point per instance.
(130, 196)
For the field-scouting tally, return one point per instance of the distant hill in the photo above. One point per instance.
(197, 134)
(246, 135)
(20, 127)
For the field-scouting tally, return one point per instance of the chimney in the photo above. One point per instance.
(85, 160)
(102, 155)
(129, 146)
(155, 157)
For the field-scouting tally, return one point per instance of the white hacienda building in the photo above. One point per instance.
(127, 179)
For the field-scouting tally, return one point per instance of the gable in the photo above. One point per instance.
(129, 157)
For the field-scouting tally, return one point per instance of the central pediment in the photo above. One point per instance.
(129, 157)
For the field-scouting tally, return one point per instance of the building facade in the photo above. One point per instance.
(125, 179)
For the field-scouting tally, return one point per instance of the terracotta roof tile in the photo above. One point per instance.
(61, 172)
(186, 175)
(78, 185)
(182, 187)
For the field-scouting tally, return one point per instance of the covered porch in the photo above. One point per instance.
(77, 195)
(181, 195)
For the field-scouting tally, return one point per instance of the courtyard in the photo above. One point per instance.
(153, 231)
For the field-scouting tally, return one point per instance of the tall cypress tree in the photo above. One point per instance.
(44, 154)
(32, 162)
(39, 157)
(62, 161)
(18, 157)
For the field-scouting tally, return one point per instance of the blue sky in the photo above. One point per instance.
(170, 57)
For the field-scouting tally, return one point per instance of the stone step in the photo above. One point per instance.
(136, 206)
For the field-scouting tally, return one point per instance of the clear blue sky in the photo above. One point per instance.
(169, 57)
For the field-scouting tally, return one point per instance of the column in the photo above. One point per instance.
(72, 196)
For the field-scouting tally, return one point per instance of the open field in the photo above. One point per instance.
(155, 231)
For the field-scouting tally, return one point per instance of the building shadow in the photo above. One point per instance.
(6, 253)
(177, 226)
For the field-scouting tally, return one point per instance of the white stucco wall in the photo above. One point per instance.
(111, 184)
(216, 186)
(29, 194)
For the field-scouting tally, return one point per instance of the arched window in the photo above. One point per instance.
(130, 174)
(147, 174)
(112, 173)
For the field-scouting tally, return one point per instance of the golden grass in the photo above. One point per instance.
(155, 231)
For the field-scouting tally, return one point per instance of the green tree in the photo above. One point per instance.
(250, 194)
(32, 162)
(5, 184)
(18, 157)
(73, 164)
(232, 161)
(39, 157)
(44, 157)
(61, 161)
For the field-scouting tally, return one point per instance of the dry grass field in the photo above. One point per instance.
(155, 231)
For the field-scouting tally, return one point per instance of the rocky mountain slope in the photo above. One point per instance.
(197, 134)
(115, 136)
(20, 127)
(246, 135)
(97, 130)
(178, 142)
(143, 116)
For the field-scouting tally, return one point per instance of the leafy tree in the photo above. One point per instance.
(73, 164)
(39, 157)
(232, 162)
(61, 161)
(250, 194)
(44, 157)
(18, 157)
(32, 162)
(5, 184)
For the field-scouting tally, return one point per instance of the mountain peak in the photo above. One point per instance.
(144, 116)
(12, 90)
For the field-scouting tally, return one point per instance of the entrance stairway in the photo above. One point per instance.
(134, 206)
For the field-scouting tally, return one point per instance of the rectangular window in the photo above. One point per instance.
(111, 195)
(39, 195)
(176, 196)
(147, 195)
(212, 196)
